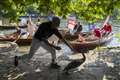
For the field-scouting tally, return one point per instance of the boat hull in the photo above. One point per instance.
(19, 41)
(88, 45)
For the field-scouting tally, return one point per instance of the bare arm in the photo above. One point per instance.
(61, 37)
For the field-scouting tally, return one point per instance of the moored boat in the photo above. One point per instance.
(20, 41)
(7, 46)
(14, 37)
(88, 44)
(24, 40)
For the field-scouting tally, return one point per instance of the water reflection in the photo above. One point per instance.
(114, 43)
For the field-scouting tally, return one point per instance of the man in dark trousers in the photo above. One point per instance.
(40, 39)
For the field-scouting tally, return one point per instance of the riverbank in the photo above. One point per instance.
(103, 65)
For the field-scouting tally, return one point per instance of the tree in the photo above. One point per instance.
(90, 10)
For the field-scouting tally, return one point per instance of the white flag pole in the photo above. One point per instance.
(107, 19)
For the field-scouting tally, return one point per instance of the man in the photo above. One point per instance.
(50, 15)
(106, 30)
(71, 23)
(78, 28)
(40, 39)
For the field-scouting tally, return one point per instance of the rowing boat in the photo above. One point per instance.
(88, 44)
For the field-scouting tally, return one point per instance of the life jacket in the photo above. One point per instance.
(107, 28)
(97, 32)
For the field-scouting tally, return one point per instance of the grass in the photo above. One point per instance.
(118, 36)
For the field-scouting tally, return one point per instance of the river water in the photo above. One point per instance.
(115, 41)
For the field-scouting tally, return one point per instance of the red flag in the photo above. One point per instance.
(71, 22)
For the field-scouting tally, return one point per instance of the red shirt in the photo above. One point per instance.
(97, 32)
(107, 28)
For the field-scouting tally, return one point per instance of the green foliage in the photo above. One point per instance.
(90, 10)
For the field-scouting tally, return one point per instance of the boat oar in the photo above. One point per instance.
(16, 57)
(74, 63)
(19, 36)
(99, 45)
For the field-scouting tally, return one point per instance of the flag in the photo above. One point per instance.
(71, 22)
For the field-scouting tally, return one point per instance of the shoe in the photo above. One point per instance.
(16, 61)
(54, 65)
(66, 73)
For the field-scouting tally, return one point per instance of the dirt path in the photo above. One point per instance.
(107, 67)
